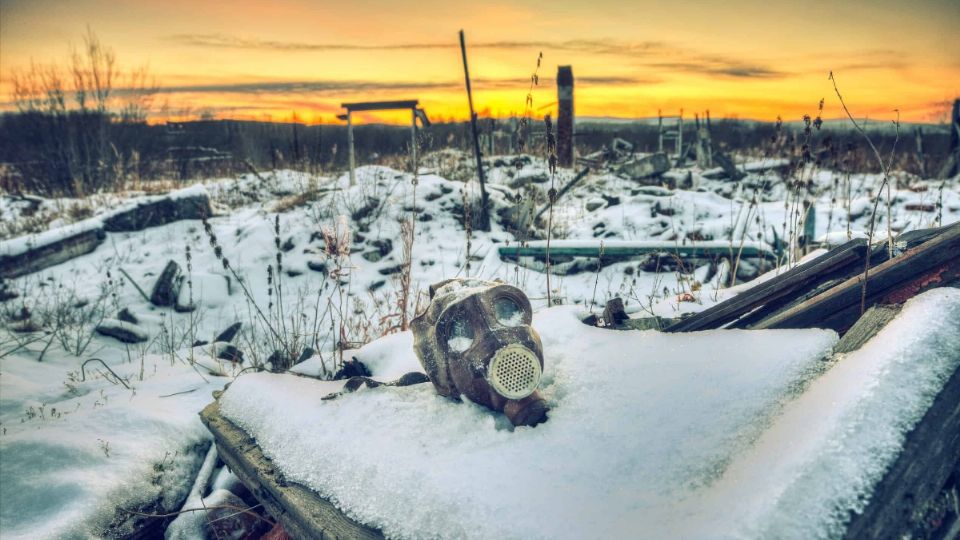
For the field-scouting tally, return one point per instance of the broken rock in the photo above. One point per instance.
(645, 167)
(122, 331)
(167, 288)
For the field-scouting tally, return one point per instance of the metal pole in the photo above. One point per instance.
(565, 116)
(353, 164)
(484, 215)
(680, 136)
(413, 142)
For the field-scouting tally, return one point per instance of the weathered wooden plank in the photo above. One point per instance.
(935, 263)
(160, 211)
(785, 285)
(929, 456)
(612, 251)
(803, 283)
(380, 105)
(51, 254)
(866, 327)
(302, 511)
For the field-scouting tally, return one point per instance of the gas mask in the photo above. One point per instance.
(475, 340)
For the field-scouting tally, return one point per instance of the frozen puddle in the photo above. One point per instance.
(711, 434)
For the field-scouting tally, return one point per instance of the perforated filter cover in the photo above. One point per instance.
(514, 372)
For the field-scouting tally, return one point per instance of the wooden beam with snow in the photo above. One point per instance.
(785, 286)
(627, 249)
(935, 263)
(767, 302)
(919, 476)
(303, 512)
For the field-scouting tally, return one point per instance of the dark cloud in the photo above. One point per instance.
(344, 87)
(226, 41)
(648, 53)
(304, 87)
(723, 68)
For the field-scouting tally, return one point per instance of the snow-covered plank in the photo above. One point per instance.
(626, 249)
(935, 263)
(303, 512)
(641, 422)
(25, 255)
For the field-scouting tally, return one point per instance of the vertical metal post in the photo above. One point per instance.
(565, 116)
(659, 131)
(413, 142)
(680, 136)
(353, 163)
(484, 206)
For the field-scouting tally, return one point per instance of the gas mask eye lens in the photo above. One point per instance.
(507, 311)
(461, 335)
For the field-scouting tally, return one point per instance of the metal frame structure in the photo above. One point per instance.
(415, 114)
(674, 131)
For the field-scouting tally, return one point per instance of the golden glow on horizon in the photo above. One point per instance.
(744, 58)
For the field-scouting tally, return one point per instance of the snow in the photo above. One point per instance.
(76, 487)
(73, 459)
(639, 421)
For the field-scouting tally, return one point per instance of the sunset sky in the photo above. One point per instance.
(737, 58)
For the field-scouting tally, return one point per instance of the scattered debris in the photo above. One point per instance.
(122, 331)
(826, 292)
(167, 288)
(645, 167)
(229, 333)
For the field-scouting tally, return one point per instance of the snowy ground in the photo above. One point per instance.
(77, 445)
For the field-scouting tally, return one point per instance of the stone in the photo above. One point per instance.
(611, 200)
(126, 316)
(645, 167)
(414, 377)
(354, 383)
(227, 351)
(167, 287)
(306, 354)
(229, 333)
(352, 368)
(122, 331)
(390, 270)
(317, 266)
(595, 204)
(729, 169)
(383, 246)
(159, 211)
(527, 179)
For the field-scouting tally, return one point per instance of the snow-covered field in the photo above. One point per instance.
(79, 444)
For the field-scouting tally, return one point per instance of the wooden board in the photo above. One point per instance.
(791, 282)
(866, 327)
(930, 455)
(44, 256)
(825, 292)
(934, 263)
(380, 105)
(614, 252)
(302, 511)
